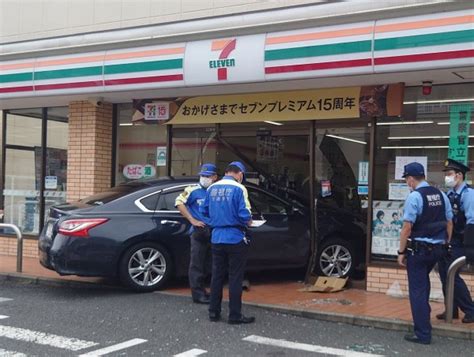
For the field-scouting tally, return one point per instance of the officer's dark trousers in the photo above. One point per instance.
(229, 258)
(462, 297)
(419, 266)
(200, 247)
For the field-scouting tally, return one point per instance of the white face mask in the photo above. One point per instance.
(205, 181)
(450, 181)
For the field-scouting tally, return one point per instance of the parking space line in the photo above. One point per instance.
(5, 299)
(4, 317)
(306, 347)
(5, 353)
(41, 338)
(114, 348)
(191, 353)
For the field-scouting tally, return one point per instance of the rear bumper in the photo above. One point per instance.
(77, 256)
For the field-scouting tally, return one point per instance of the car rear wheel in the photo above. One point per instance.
(145, 267)
(335, 258)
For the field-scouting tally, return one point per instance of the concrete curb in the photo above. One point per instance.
(365, 321)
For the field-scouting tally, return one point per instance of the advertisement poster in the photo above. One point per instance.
(398, 191)
(325, 188)
(161, 156)
(363, 173)
(401, 161)
(386, 226)
(157, 111)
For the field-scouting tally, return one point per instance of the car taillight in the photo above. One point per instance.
(80, 227)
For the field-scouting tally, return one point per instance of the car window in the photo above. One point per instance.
(264, 203)
(167, 200)
(109, 196)
(150, 202)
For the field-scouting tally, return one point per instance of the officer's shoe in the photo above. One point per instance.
(442, 316)
(214, 316)
(468, 319)
(415, 339)
(201, 300)
(242, 320)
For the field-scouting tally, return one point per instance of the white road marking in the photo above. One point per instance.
(4, 317)
(5, 353)
(42, 338)
(113, 348)
(4, 299)
(306, 347)
(191, 353)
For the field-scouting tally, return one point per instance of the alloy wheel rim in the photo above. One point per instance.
(335, 260)
(147, 266)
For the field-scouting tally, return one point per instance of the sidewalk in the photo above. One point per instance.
(353, 306)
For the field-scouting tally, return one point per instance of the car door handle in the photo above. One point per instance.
(165, 221)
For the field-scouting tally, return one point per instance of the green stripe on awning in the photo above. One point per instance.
(144, 66)
(433, 39)
(16, 77)
(321, 50)
(68, 73)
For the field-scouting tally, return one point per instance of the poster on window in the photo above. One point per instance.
(387, 224)
(269, 148)
(401, 161)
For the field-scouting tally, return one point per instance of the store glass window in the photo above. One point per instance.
(422, 134)
(26, 174)
(141, 147)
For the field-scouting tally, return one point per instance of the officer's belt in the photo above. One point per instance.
(415, 245)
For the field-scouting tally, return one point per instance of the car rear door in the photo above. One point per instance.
(284, 239)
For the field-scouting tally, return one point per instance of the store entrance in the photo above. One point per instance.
(341, 187)
(293, 161)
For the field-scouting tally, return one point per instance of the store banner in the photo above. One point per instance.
(460, 120)
(316, 104)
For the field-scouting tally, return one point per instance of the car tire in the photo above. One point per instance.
(336, 258)
(145, 267)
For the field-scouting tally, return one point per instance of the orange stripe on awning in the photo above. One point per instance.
(218, 45)
(160, 52)
(6, 67)
(425, 23)
(114, 56)
(319, 35)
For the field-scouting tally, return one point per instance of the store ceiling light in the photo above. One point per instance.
(434, 101)
(447, 123)
(347, 139)
(420, 137)
(126, 124)
(406, 122)
(272, 122)
(418, 147)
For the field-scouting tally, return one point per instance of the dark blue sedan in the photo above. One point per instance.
(134, 232)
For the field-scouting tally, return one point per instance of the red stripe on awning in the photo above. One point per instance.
(167, 78)
(318, 66)
(424, 57)
(68, 85)
(16, 89)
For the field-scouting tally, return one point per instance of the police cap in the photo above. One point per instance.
(451, 164)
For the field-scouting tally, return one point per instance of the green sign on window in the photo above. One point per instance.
(460, 119)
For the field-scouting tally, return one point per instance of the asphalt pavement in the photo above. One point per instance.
(42, 320)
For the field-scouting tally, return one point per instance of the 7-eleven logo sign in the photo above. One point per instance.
(224, 48)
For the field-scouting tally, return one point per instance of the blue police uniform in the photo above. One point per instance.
(462, 201)
(428, 209)
(193, 197)
(228, 209)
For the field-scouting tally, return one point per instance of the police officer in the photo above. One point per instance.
(188, 203)
(427, 222)
(228, 209)
(461, 197)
